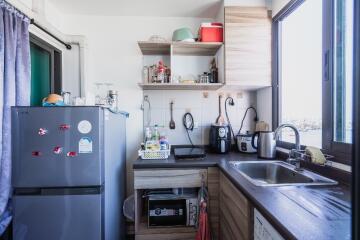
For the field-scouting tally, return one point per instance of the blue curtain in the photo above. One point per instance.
(14, 90)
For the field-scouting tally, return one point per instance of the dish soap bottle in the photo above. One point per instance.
(156, 134)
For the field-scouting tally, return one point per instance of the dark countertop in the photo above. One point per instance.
(297, 212)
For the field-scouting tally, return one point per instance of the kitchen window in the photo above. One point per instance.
(45, 70)
(312, 78)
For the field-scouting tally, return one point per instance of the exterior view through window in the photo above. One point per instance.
(301, 73)
(343, 68)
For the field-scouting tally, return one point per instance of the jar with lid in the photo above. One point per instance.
(145, 74)
(161, 72)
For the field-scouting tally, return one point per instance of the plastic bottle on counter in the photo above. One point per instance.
(156, 134)
(164, 145)
(148, 134)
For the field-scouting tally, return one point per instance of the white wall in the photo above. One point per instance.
(203, 109)
(264, 105)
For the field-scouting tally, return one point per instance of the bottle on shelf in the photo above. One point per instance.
(161, 72)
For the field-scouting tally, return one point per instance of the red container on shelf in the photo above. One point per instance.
(211, 32)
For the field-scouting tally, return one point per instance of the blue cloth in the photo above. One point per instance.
(57, 104)
(15, 82)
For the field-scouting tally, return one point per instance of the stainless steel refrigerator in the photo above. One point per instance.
(68, 173)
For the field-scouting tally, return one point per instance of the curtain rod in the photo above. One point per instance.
(68, 46)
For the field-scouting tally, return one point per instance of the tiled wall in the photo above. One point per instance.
(203, 109)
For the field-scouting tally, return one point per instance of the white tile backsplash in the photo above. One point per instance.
(204, 111)
(183, 99)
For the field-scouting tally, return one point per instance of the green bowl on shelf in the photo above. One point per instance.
(183, 34)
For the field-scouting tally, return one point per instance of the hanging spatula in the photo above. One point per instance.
(172, 122)
(220, 120)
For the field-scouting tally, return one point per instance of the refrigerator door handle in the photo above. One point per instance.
(60, 191)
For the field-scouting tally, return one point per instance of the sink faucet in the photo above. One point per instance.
(292, 155)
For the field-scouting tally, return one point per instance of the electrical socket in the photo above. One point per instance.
(196, 125)
(239, 95)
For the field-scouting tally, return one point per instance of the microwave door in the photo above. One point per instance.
(167, 213)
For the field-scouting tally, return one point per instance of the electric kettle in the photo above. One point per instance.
(266, 144)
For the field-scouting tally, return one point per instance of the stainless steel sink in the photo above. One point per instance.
(278, 173)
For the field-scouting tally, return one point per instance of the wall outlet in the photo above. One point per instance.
(196, 125)
(239, 95)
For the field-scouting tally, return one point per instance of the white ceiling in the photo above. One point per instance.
(160, 8)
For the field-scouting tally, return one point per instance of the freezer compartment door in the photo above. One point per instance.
(55, 217)
(57, 146)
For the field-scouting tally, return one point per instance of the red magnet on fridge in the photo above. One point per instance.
(64, 127)
(57, 150)
(36, 153)
(71, 154)
(42, 131)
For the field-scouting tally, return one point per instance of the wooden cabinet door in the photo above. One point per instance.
(169, 178)
(247, 47)
(235, 212)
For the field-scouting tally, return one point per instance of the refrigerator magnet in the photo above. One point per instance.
(85, 145)
(84, 127)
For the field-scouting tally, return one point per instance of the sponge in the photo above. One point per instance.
(316, 155)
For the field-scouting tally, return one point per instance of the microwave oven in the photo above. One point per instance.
(165, 210)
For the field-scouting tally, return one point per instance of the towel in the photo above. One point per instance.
(203, 232)
(316, 155)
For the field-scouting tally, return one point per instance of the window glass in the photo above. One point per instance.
(301, 73)
(343, 67)
(40, 74)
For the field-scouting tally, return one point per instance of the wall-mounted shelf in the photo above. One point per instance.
(186, 60)
(155, 48)
(180, 48)
(196, 48)
(181, 86)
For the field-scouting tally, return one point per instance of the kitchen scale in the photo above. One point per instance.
(189, 153)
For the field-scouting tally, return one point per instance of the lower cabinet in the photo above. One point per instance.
(236, 214)
(230, 214)
(151, 179)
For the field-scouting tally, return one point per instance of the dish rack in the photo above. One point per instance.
(155, 154)
(301, 154)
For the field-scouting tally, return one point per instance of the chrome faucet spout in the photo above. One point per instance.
(297, 135)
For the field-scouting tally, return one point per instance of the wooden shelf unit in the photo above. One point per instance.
(196, 48)
(180, 48)
(155, 48)
(197, 55)
(144, 229)
(181, 86)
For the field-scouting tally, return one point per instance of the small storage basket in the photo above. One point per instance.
(154, 154)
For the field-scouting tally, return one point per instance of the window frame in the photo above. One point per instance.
(341, 151)
(55, 63)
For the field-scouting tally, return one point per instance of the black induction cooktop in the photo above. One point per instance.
(189, 153)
